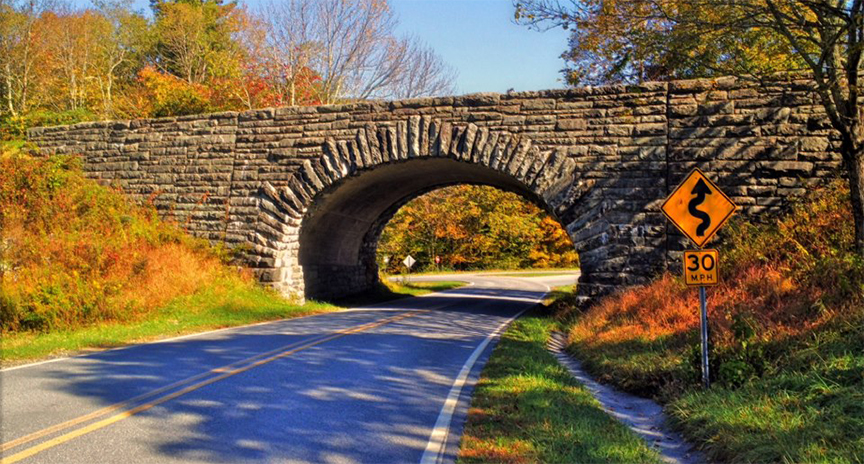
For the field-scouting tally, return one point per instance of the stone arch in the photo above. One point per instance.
(600, 158)
(316, 234)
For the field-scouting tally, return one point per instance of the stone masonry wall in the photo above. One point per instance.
(601, 159)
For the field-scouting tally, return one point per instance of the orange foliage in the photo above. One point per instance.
(162, 94)
(161, 273)
(492, 450)
(73, 253)
(651, 311)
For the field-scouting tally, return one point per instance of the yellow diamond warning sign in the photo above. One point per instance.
(700, 268)
(698, 208)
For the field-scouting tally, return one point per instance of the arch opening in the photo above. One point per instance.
(340, 231)
(472, 228)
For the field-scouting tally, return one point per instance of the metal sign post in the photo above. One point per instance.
(701, 270)
(703, 306)
(698, 208)
(409, 262)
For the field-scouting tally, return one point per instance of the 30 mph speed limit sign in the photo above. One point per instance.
(700, 268)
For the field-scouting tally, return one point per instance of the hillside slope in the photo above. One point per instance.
(81, 266)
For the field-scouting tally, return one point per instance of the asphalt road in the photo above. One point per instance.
(389, 383)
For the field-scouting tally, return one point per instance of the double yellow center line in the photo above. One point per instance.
(190, 384)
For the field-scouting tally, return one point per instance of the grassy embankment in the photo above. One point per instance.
(528, 408)
(82, 267)
(787, 341)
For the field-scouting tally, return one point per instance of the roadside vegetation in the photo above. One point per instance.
(786, 336)
(527, 408)
(82, 266)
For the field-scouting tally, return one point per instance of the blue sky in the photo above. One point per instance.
(478, 39)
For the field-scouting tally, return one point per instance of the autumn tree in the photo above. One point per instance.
(121, 53)
(286, 49)
(475, 227)
(66, 62)
(194, 39)
(633, 41)
(17, 60)
(69, 42)
(822, 37)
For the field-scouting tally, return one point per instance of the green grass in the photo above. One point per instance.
(809, 409)
(530, 272)
(423, 288)
(557, 293)
(528, 408)
(224, 304)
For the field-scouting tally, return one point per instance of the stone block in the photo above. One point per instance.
(571, 124)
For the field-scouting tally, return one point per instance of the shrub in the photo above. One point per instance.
(15, 127)
(167, 95)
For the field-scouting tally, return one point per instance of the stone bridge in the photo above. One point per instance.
(305, 192)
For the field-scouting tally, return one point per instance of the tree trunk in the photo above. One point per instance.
(9, 91)
(854, 157)
(293, 91)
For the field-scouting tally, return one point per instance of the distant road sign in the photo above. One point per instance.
(701, 268)
(698, 208)
(409, 261)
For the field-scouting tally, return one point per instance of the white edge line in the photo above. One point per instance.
(438, 439)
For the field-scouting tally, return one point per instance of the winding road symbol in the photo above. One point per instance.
(698, 208)
(701, 190)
